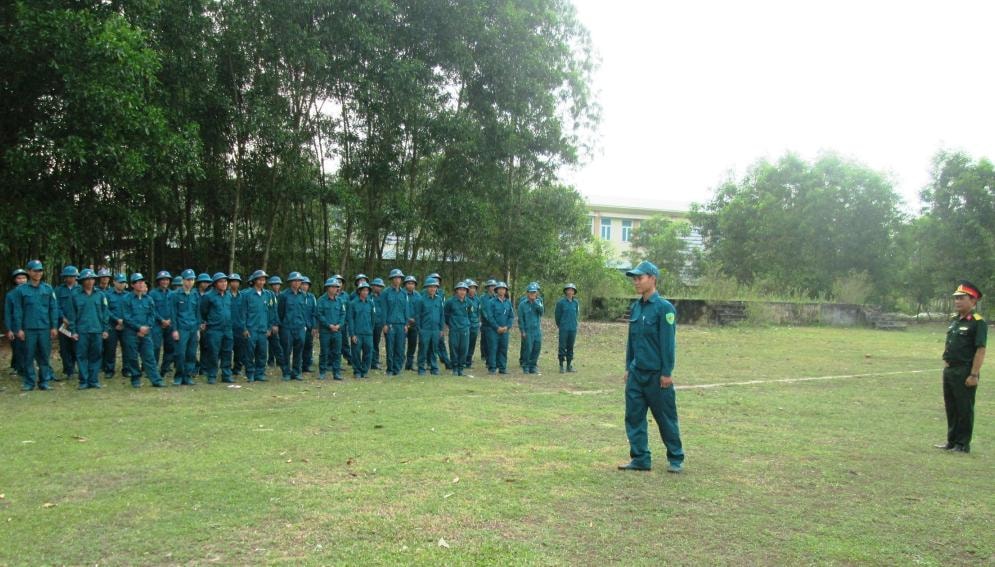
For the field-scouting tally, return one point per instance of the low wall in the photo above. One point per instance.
(715, 312)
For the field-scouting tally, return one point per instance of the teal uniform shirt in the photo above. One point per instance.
(310, 309)
(35, 308)
(361, 316)
(378, 301)
(216, 311)
(257, 314)
(530, 315)
(332, 312)
(162, 306)
(292, 310)
(115, 301)
(457, 314)
(139, 312)
(185, 310)
(88, 313)
(396, 303)
(237, 312)
(500, 313)
(474, 311)
(429, 313)
(651, 346)
(64, 294)
(567, 314)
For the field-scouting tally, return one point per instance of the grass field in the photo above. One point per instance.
(517, 470)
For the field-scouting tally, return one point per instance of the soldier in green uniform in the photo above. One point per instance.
(475, 304)
(162, 336)
(377, 286)
(967, 337)
(485, 328)
(260, 325)
(293, 313)
(20, 277)
(567, 316)
(240, 343)
(457, 314)
(429, 319)
(524, 345)
(140, 316)
(410, 283)
(88, 322)
(104, 280)
(184, 305)
(115, 338)
(331, 314)
(362, 315)
(530, 313)
(64, 292)
(216, 312)
(443, 351)
(310, 331)
(395, 301)
(36, 320)
(650, 355)
(275, 354)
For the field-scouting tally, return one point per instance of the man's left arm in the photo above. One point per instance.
(668, 344)
(980, 341)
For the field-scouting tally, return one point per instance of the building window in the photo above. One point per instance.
(626, 230)
(606, 228)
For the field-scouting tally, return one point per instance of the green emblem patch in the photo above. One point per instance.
(670, 318)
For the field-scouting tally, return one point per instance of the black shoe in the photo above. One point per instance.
(562, 370)
(570, 368)
(632, 466)
(944, 446)
(960, 449)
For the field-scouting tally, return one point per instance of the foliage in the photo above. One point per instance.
(661, 241)
(854, 287)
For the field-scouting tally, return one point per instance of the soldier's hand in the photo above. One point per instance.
(203, 326)
(246, 333)
(54, 334)
(625, 376)
(274, 330)
(75, 337)
(105, 334)
(142, 331)
(165, 323)
(10, 335)
(354, 340)
(119, 327)
(972, 381)
(20, 335)
(666, 382)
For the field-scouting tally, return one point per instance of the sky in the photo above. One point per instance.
(693, 92)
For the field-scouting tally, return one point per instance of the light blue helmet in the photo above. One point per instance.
(70, 272)
(395, 273)
(360, 276)
(35, 265)
(163, 275)
(256, 275)
(137, 277)
(120, 278)
(87, 274)
(305, 280)
(471, 283)
(462, 285)
(533, 288)
(430, 281)
(500, 285)
(410, 279)
(235, 277)
(491, 283)
(218, 277)
(203, 278)
(570, 286)
(275, 280)
(434, 275)
(103, 273)
(177, 281)
(332, 282)
(18, 272)
(295, 276)
(363, 285)
(377, 282)
(188, 274)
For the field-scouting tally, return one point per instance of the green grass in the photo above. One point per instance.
(519, 470)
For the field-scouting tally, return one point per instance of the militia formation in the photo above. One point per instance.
(201, 325)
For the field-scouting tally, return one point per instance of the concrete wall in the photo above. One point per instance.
(702, 311)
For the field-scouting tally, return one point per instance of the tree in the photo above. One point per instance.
(663, 242)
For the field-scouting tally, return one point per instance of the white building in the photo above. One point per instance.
(613, 219)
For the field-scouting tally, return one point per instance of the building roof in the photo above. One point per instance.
(621, 202)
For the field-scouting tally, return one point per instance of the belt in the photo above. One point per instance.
(956, 363)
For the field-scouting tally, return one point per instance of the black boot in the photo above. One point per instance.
(570, 366)
(561, 367)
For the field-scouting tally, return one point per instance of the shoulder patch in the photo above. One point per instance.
(671, 318)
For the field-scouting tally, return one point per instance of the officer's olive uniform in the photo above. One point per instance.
(964, 337)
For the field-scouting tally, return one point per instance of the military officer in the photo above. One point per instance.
(475, 302)
(430, 321)
(115, 336)
(260, 325)
(64, 292)
(89, 324)
(649, 366)
(331, 314)
(963, 355)
(362, 316)
(184, 305)
(530, 313)
(396, 306)
(162, 336)
(275, 355)
(140, 316)
(292, 313)
(458, 324)
(376, 293)
(310, 332)
(35, 323)
(410, 283)
(216, 312)
(239, 339)
(567, 316)
(500, 320)
(20, 277)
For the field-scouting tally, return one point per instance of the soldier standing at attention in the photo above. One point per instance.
(184, 305)
(260, 325)
(442, 350)
(529, 323)
(64, 294)
(104, 280)
(500, 319)
(115, 301)
(140, 316)
(162, 336)
(331, 315)
(410, 283)
(215, 311)
(649, 366)
(239, 340)
(292, 312)
(474, 300)
(396, 303)
(967, 338)
(567, 316)
(275, 355)
(36, 320)
(377, 296)
(458, 323)
(429, 317)
(362, 316)
(20, 277)
(485, 329)
(88, 322)
(310, 306)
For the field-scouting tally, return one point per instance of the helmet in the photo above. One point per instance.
(491, 283)
(177, 281)
(332, 282)
(120, 278)
(163, 275)
(137, 277)
(274, 280)
(218, 277)
(87, 274)
(305, 279)
(360, 276)
(430, 281)
(234, 277)
(256, 275)
(534, 284)
(395, 273)
(70, 272)
(188, 274)
(462, 285)
(18, 272)
(435, 275)
(103, 273)
(499, 285)
(35, 265)
(203, 277)
(410, 279)
(363, 285)
(471, 283)
(533, 288)
(377, 282)
(295, 276)
(570, 286)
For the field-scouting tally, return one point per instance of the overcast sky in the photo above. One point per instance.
(693, 90)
